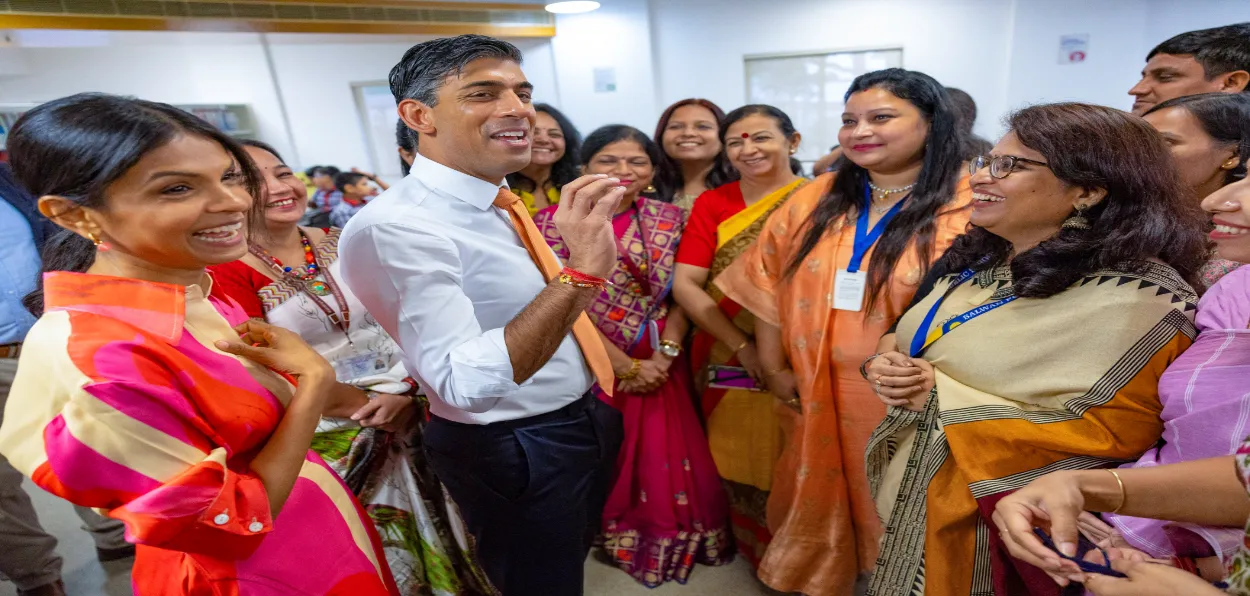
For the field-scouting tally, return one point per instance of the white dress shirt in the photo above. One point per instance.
(443, 270)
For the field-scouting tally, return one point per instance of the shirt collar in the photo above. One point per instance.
(474, 191)
(157, 308)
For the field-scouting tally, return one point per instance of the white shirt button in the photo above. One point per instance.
(221, 519)
(256, 527)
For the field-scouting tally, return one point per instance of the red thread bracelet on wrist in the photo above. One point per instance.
(582, 277)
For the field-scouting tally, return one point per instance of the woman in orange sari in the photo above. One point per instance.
(742, 426)
(868, 232)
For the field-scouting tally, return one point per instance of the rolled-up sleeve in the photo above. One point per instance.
(410, 279)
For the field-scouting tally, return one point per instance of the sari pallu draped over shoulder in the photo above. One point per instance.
(821, 514)
(1035, 386)
(744, 433)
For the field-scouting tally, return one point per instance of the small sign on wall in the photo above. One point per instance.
(605, 80)
(1073, 49)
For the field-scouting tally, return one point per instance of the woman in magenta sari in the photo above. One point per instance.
(667, 510)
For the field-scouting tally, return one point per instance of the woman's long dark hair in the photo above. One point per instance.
(612, 133)
(1148, 212)
(935, 187)
(567, 168)
(1225, 117)
(668, 175)
(76, 146)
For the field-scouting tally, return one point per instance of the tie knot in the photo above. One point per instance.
(505, 198)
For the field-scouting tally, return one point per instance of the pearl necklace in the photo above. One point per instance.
(885, 194)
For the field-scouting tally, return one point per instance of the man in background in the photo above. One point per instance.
(27, 553)
(1202, 61)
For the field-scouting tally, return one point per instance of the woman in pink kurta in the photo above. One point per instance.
(132, 394)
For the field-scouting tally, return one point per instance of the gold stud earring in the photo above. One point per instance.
(1229, 163)
(649, 189)
(99, 244)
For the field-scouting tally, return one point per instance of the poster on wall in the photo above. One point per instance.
(1073, 49)
(605, 80)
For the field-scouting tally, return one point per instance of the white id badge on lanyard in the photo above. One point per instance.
(848, 289)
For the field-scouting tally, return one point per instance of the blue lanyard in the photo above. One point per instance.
(925, 338)
(865, 238)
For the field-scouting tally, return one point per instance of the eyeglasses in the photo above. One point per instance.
(1000, 165)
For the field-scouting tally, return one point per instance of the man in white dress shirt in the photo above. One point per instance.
(524, 448)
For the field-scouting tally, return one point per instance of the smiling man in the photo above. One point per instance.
(1202, 61)
(450, 264)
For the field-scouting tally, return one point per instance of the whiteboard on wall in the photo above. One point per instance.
(809, 88)
(378, 114)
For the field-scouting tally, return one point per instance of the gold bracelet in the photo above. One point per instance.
(635, 366)
(744, 345)
(1123, 495)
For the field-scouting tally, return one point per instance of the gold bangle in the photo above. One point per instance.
(1123, 495)
(635, 366)
(745, 343)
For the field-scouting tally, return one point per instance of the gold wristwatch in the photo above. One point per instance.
(669, 348)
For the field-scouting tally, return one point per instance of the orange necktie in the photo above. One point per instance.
(584, 331)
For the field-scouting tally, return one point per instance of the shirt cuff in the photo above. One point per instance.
(482, 368)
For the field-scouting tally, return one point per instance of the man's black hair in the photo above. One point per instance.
(1220, 50)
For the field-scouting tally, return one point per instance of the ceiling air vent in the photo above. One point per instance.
(311, 16)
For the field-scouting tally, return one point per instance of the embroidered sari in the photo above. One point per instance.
(824, 524)
(744, 432)
(1015, 398)
(426, 543)
(667, 510)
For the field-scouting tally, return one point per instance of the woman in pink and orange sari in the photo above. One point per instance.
(667, 510)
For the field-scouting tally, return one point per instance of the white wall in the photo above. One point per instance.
(617, 36)
(315, 74)
(701, 43)
(1003, 52)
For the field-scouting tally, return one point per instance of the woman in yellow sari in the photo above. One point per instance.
(742, 425)
(1039, 344)
(893, 206)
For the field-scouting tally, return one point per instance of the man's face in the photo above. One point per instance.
(1170, 75)
(483, 120)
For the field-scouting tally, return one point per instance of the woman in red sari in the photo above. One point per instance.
(744, 427)
(667, 510)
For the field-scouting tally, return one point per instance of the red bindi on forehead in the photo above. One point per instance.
(746, 136)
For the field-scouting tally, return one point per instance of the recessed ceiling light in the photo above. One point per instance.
(572, 7)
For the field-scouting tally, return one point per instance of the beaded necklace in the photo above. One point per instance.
(314, 287)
